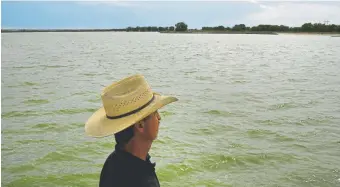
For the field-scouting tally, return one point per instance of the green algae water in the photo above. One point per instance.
(253, 110)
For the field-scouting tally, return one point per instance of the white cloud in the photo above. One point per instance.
(294, 14)
(264, 6)
(254, 1)
(110, 3)
(261, 5)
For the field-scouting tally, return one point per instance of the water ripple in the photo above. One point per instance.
(253, 110)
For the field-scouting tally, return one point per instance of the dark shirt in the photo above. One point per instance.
(122, 169)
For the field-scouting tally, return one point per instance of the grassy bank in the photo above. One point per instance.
(312, 33)
(123, 30)
(220, 32)
(61, 30)
(335, 34)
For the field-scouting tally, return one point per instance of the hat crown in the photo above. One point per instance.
(126, 95)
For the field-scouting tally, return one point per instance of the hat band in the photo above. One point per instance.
(132, 112)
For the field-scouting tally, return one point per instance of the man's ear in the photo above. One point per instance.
(140, 126)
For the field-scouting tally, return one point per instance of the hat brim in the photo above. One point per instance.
(98, 125)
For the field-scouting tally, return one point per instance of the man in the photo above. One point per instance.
(130, 112)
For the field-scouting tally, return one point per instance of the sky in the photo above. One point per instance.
(122, 14)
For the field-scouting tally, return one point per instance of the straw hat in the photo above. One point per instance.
(124, 103)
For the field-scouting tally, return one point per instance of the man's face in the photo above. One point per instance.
(152, 125)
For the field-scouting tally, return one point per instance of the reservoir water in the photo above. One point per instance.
(253, 110)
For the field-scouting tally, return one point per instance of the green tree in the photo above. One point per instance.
(172, 28)
(240, 27)
(181, 26)
(220, 28)
(307, 27)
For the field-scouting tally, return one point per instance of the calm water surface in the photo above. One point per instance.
(253, 110)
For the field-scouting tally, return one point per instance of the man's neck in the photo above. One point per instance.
(138, 148)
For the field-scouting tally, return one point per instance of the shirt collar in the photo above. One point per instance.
(134, 161)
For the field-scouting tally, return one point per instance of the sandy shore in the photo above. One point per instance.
(309, 33)
(173, 32)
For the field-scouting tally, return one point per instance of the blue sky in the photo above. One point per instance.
(121, 14)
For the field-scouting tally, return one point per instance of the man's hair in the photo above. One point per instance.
(124, 136)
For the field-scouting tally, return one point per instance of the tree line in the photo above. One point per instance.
(307, 27)
(181, 26)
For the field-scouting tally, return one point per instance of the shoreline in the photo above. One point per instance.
(311, 33)
(335, 34)
(221, 32)
(60, 30)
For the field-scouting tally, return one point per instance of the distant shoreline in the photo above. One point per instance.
(333, 34)
(220, 32)
(182, 28)
(336, 34)
(61, 30)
